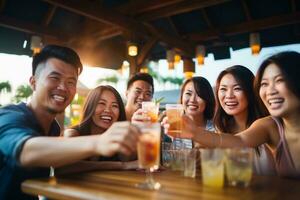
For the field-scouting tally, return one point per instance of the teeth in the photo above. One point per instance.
(192, 106)
(231, 103)
(59, 98)
(274, 101)
(106, 117)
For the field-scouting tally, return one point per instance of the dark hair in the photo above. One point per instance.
(289, 65)
(141, 77)
(89, 107)
(245, 79)
(54, 51)
(205, 92)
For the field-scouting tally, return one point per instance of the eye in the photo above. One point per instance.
(101, 103)
(55, 78)
(71, 83)
(238, 89)
(149, 94)
(222, 89)
(188, 93)
(263, 84)
(115, 105)
(280, 80)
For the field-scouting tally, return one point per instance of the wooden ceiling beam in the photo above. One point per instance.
(179, 8)
(293, 5)
(206, 18)
(246, 10)
(32, 28)
(173, 26)
(144, 53)
(2, 5)
(125, 23)
(49, 15)
(136, 7)
(166, 8)
(103, 15)
(254, 25)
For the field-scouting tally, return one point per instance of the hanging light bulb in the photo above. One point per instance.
(177, 58)
(132, 49)
(171, 59)
(255, 43)
(200, 54)
(144, 69)
(188, 68)
(36, 44)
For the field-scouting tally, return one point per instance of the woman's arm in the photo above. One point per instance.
(71, 133)
(261, 131)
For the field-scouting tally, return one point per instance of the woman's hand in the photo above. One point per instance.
(138, 116)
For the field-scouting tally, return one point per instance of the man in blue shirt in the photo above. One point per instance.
(28, 146)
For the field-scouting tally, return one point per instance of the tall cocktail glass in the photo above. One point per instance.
(148, 148)
(150, 109)
(174, 112)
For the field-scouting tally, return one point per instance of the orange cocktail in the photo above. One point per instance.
(150, 109)
(174, 112)
(148, 148)
(148, 151)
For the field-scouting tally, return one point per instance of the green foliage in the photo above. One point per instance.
(5, 87)
(111, 79)
(23, 92)
(159, 78)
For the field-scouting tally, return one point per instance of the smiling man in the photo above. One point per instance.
(27, 144)
(139, 88)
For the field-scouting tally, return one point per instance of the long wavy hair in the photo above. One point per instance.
(256, 109)
(89, 107)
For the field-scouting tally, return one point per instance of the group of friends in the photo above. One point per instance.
(259, 111)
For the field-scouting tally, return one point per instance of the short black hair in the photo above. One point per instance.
(60, 52)
(141, 77)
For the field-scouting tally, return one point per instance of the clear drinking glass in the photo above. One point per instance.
(148, 148)
(212, 165)
(190, 156)
(238, 166)
(174, 112)
(150, 109)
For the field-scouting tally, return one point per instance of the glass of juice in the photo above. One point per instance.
(238, 166)
(174, 112)
(148, 148)
(212, 166)
(150, 109)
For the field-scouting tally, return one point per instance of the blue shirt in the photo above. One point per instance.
(17, 125)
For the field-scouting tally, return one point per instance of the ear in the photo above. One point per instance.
(126, 94)
(32, 82)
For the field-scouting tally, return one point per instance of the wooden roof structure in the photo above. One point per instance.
(100, 29)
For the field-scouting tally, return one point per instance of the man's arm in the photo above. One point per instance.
(48, 151)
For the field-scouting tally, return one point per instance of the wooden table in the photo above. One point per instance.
(121, 185)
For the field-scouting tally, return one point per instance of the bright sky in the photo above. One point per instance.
(17, 69)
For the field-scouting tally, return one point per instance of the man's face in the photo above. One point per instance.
(54, 85)
(138, 92)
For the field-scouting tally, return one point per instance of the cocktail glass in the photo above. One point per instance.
(174, 113)
(148, 148)
(212, 166)
(239, 166)
(150, 109)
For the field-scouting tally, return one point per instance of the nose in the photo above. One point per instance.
(193, 97)
(271, 89)
(229, 93)
(62, 86)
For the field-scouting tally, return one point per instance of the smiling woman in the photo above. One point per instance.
(102, 108)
